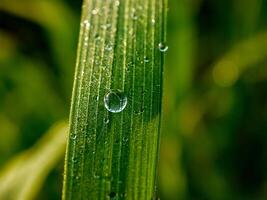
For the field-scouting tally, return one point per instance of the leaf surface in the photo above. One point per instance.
(113, 155)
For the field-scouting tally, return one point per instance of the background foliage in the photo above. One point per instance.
(214, 125)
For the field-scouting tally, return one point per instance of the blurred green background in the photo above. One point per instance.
(214, 139)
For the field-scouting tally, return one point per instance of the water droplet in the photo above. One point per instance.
(163, 47)
(153, 21)
(73, 136)
(133, 14)
(95, 11)
(105, 26)
(117, 3)
(125, 139)
(146, 60)
(86, 24)
(97, 37)
(123, 195)
(96, 176)
(139, 7)
(108, 47)
(115, 101)
(106, 120)
(112, 195)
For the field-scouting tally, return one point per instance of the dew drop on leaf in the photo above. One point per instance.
(115, 101)
(97, 37)
(146, 59)
(105, 26)
(117, 3)
(163, 47)
(108, 47)
(73, 136)
(133, 15)
(112, 195)
(86, 24)
(95, 11)
(106, 120)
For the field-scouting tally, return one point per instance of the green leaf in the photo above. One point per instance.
(23, 176)
(114, 155)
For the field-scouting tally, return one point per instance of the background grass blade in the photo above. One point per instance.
(48, 11)
(24, 175)
(240, 58)
(114, 155)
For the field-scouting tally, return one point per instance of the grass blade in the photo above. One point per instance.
(24, 175)
(114, 155)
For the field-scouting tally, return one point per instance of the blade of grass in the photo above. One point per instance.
(237, 60)
(179, 76)
(114, 155)
(52, 17)
(24, 175)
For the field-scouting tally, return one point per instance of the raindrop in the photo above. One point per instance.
(123, 195)
(108, 47)
(117, 3)
(125, 139)
(112, 195)
(106, 120)
(153, 21)
(146, 60)
(95, 11)
(163, 47)
(97, 37)
(115, 101)
(86, 24)
(96, 176)
(73, 136)
(133, 14)
(105, 26)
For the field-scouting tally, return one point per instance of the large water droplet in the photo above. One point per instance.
(163, 47)
(115, 101)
